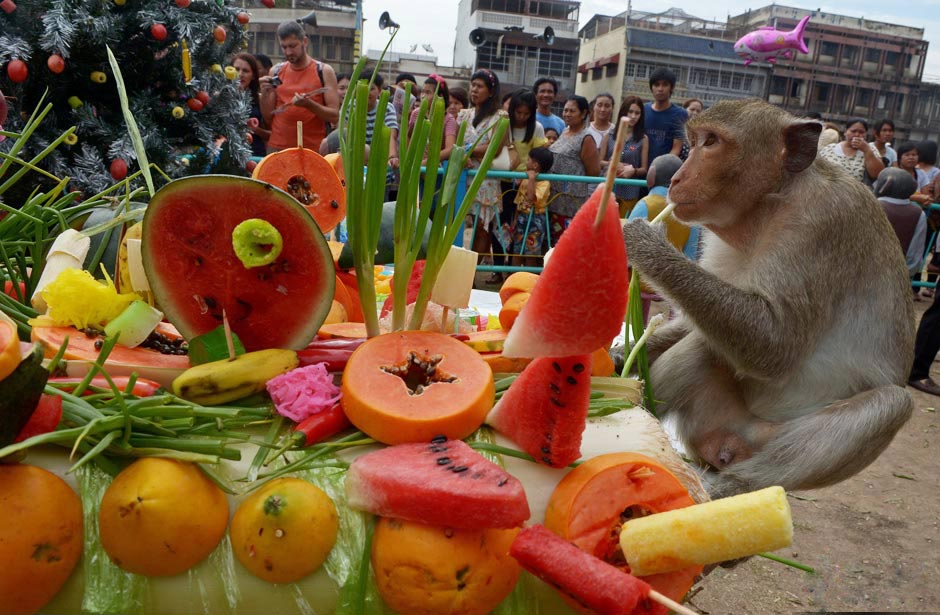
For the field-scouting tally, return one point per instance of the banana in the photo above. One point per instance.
(221, 382)
(124, 266)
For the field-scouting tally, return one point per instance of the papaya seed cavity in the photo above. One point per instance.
(418, 372)
(256, 242)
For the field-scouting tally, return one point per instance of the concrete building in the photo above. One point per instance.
(335, 39)
(855, 66)
(511, 48)
(419, 65)
(618, 54)
(925, 123)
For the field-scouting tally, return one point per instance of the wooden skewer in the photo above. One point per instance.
(300, 134)
(670, 603)
(228, 336)
(444, 320)
(611, 171)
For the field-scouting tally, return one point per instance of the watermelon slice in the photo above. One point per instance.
(444, 482)
(579, 301)
(195, 275)
(545, 409)
(591, 582)
(411, 291)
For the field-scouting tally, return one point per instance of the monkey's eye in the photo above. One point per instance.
(710, 139)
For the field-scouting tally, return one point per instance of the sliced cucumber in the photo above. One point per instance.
(134, 324)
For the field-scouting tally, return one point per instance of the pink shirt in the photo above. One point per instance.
(450, 125)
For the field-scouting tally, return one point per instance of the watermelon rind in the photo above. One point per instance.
(188, 257)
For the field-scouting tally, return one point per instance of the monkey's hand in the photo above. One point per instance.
(646, 244)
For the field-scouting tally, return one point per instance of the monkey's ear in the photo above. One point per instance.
(801, 140)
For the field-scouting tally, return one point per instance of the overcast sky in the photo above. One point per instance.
(433, 22)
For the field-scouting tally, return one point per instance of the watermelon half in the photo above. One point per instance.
(545, 409)
(443, 482)
(580, 300)
(195, 275)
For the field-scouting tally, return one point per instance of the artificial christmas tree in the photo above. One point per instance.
(172, 53)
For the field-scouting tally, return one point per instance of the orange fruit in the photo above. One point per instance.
(40, 536)
(285, 530)
(430, 570)
(511, 308)
(519, 282)
(10, 354)
(161, 517)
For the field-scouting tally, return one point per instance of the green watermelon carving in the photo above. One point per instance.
(545, 409)
(580, 299)
(443, 482)
(195, 275)
(584, 579)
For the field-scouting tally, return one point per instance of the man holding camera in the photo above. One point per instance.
(301, 89)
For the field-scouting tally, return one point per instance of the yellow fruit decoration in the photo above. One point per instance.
(161, 517)
(178, 112)
(430, 570)
(285, 530)
(75, 298)
(40, 536)
(231, 73)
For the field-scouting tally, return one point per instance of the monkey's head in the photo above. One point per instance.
(740, 151)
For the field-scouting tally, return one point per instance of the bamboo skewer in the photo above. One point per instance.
(228, 336)
(670, 603)
(300, 134)
(611, 171)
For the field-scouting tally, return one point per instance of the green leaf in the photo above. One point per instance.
(212, 346)
(132, 129)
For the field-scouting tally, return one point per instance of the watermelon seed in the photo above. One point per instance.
(502, 481)
(554, 387)
(546, 450)
(438, 449)
(459, 469)
(578, 368)
(439, 439)
(210, 302)
(443, 461)
(571, 380)
(556, 402)
(556, 366)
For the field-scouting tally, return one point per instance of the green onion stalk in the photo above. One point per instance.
(444, 230)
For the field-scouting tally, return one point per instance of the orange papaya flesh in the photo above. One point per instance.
(309, 178)
(411, 386)
(591, 503)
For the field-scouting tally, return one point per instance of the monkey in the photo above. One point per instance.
(788, 361)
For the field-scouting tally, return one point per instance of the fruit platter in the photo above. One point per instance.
(204, 412)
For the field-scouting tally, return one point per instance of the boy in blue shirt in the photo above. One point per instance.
(664, 122)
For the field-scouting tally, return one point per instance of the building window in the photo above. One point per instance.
(486, 57)
(872, 55)
(611, 70)
(555, 63)
(597, 73)
(778, 86)
(822, 92)
(584, 76)
(864, 98)
(828, 48)
(736, 82)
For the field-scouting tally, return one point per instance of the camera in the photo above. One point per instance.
(275, 81)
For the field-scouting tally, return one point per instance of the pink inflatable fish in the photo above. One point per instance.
(767, 44)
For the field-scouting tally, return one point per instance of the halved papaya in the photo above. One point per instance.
(308, 177)
(353, 310)
(336, 161)
(411, 386)
(593, 501)
(145, 362)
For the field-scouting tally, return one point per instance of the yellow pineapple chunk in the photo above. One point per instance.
(708, 533)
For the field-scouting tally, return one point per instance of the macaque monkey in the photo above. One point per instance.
(788, 363)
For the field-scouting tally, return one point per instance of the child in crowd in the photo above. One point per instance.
(551, 135)
(524, 240)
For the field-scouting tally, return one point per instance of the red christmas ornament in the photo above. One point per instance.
(243, 18)
(219, 34)
(182, 3)
(250, 166)
(8, 6)
(195, 104)
(158, 31)
(55, 63)
(118, 169)
(203, 97)
(17, 71)
(268, 3)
